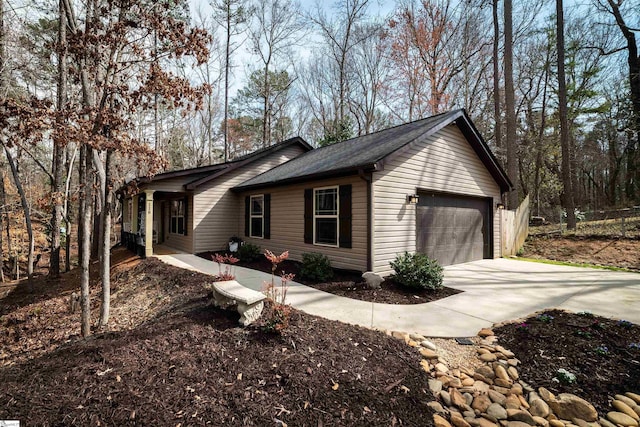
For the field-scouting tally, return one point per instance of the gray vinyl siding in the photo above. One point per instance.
(287, 223)
(217, 209)
(171, 185)
(178, 241)
(445, 162)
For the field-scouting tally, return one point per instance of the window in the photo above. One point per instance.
(256, 214)
(177, 222)
(325, 216)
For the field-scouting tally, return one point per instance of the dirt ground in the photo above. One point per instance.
(605, 251)
(171, 358)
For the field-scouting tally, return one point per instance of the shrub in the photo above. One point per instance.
(417, 271)
(276, 317)
(316, 267)
(249, 252)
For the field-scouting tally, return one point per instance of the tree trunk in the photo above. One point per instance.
(84, 230)
(1, 219)
(59, 150)
(567, 193)
(510, 106)
(67, 216)
(226, 85)
(27, 215)
(105, 266)
(496, 77)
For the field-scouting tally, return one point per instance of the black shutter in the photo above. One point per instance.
(308, 215)
(185, 218)
(267, 216)
(345, 216)
(247, 214)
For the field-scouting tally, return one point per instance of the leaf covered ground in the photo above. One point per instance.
(171, 359)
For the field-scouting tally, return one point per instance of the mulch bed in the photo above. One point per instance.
(191, 364)
(599, 351)
(348, 283)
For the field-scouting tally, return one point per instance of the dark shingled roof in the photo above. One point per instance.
(369, 152)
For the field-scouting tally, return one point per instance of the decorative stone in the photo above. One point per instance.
(435, 386)
(481, 386)
(402, 336)
(512, 402)
(512, 362)
(523, 401)
(513, 373)
(473, 421)
(468, 397)
(502, 383)
(606, 423)
(556, 423)
(455, 382)
(436, 407)
(622, 419)
(483, 422)
(497, 411)
(517, 424)
(468, 382)
(481, 403)
(546, 395)
(625, 409)
(630, 402)
(541, 421)
(428, 354)
(441, 367)
(425, 365)
(415, 337)
(517, 389)
(458, 421)
(485, 332)
(457, 398)
(509, 354)
(568, 406)
(496, 397)
(486, 372)
(633, 396)
(438, 421)
(446, 398)
(373, 280)
(539, 408)
(520, 415)
(502, 390)
(501, 373)
(488, 357)
(483, 351)
(428, 344)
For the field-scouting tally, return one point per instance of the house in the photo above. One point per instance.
(431, 185)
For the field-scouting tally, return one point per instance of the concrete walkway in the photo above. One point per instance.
(494, 291)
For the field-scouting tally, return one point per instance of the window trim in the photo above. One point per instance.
(336, 216)
(252, 216)
(181, 203)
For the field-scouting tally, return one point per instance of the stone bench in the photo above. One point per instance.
(229, 293)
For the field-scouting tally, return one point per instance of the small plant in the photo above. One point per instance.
(278, 313)
(635, 345)
(625, 324)
(585, 314)
(316, 267)
(544, 318)
(227, 261)
(602, 350)
(417, 271)
(249, 252)
(584, 333)
(565, 377)
(522, 327)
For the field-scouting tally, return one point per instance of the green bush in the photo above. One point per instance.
(316, 267)
(417, 271)
(249, 252)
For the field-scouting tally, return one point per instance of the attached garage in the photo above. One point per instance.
(453, 229)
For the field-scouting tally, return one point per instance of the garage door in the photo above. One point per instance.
(453, 229)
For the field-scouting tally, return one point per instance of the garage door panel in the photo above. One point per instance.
(452, 229)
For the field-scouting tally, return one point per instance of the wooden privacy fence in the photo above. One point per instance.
(515, 228)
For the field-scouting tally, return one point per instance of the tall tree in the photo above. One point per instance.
(497, 116)
(510, 106)
(277, 27)
(567, 190)
(59, 146)
(232, 15)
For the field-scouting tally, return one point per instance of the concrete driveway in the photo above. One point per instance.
(494, 291)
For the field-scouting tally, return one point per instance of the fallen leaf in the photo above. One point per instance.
(239, 377)
(118, 379)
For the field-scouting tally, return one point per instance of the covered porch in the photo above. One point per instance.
(153, 218)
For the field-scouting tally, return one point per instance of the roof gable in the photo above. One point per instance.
(370, 152)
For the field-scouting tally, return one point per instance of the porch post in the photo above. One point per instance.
(148, 224)
(133, 215)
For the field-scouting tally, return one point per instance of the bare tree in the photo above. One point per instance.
(510, 106)
(497, 116)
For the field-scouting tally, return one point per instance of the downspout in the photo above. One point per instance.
(368, 178)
